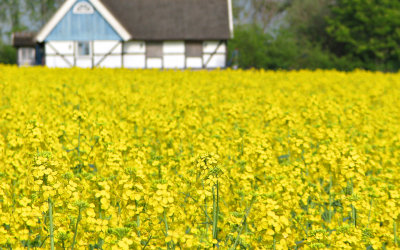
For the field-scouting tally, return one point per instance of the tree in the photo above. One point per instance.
(368, 30)
(259, 12)
(42, 10)
(260, 50)
(10, 10)
(308, 20)
(10, 16)
(38, 11)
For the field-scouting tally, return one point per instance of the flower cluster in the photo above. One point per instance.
(114, 159)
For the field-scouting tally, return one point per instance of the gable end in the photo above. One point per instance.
(82, 20)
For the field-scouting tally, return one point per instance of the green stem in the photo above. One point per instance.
(215, 212)
(42, 243)
(330, 201)
(354, 215)
(147, 242)
(76, 228)
(166, 228)
(137, 219)
(395, 232)
(29, 238)
(243, 224)
(79, 148)
(205, 212)
(370, 210)
(274, 243)
(138, 223)
(51, 224)
(301, 225)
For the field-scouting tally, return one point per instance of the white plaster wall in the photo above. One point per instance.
(135, 47)
(54, 61)
(110, 61)
(174, 54)
(216, 61)
(154, 63)
(134, 61)
(194, 62)
(104, 47)
(62, 47)
(174, 61)
(211, 46)
(84, 62)
(174, 47)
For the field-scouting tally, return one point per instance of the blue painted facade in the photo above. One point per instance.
(83, 27)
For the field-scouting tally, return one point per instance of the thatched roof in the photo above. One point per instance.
(172, 19)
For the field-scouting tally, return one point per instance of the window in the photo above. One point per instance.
(84, 49)
(83, 8)
(154, 49)
(27, 53)
(194, 49)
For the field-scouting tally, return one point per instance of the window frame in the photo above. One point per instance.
(77, 10)
(78, 55)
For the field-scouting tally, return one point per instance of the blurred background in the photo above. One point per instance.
(272, 34)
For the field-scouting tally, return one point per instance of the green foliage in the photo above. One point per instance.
(326, 34)
(260, 50)
(368, 31)
(8, 54)
(41, 10)
(307, 20)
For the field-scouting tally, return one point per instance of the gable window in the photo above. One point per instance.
(154, 49)
(84, 49)
(83, 8)
(194, 49)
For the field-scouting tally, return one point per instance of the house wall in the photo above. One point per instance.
(133, 54)
(214, 54)
(59, 54)
(107, 54)
(83, 27)
(174, 54)
(63, 54)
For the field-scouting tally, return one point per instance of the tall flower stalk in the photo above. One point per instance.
(51, 224)
(82, 205)
(209, 173)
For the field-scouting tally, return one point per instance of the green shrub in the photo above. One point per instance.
(8, 54)
(260, 50)
(256, 49)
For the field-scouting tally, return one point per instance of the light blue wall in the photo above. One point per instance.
(82, 27)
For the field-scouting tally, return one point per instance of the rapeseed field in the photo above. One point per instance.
(148, 159)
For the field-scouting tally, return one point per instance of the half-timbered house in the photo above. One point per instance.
(137, 34)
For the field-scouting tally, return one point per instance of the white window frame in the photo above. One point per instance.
(78, 11)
